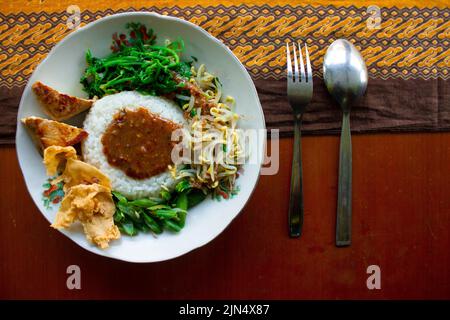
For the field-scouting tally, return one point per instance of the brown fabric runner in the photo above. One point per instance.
(396, 105)
(408, 60)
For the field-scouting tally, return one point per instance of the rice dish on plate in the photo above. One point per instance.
(97, 121)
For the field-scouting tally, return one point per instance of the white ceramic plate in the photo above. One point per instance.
(62, 70)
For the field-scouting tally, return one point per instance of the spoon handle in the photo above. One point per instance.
(296, 196)
(344, 204)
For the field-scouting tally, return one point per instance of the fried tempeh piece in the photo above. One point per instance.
(48, 133)
(58, 105)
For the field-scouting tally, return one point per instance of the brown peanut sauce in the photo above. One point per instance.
(138, 142)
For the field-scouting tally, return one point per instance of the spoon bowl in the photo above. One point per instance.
(344, 73)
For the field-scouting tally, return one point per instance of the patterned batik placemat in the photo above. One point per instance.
(406, 47)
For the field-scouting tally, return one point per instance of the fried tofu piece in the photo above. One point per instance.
(58, 105)
(48, 133)
(94, 207)
(55, 158)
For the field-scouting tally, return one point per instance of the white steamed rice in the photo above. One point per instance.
(98, 120)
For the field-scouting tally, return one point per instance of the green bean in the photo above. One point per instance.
(119, 197)
(172, 226)
(143, 203)
(195, 197)
(118, 216)
(152, 224)
(128, 228)
(182, 203)
(166, 213)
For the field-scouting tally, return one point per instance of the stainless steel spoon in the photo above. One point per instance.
(345, 75)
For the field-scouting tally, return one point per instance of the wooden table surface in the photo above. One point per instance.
(401, 211)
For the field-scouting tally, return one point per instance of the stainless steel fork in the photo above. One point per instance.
(299, 92)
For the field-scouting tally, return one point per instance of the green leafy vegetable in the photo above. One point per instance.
(136, 63)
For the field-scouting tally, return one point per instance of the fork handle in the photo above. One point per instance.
(296, 195)
(344, 203)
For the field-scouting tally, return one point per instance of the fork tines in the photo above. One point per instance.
(296, 76)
